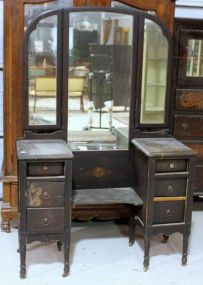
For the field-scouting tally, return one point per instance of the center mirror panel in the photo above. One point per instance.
(99, 81)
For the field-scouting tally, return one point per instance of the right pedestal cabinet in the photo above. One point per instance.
(164, 180)
(188, 90)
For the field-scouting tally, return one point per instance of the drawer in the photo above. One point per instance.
(189, 99)
(45, 194)
(198, 183)
(41, 221)
(171, 165)
(170, 187)
(46, 169)
(168, 212)
(188, 126)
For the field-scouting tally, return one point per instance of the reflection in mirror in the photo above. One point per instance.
(42, 62)
(154, 75)
(195, 58)
(99, 83)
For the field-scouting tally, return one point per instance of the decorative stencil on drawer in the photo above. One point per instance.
(189, 99)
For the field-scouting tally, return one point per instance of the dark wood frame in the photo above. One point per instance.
(61, 120)
(167, 34)
(13, 90)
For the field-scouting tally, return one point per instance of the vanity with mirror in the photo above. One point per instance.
(95, 80)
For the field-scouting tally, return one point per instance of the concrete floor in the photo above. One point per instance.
(100, 255)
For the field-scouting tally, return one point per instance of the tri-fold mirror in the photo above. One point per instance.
(97, 74)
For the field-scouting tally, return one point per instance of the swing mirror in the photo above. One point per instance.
(42, 63)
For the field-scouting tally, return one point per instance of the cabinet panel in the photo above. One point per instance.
(189, 99)
(188, 126)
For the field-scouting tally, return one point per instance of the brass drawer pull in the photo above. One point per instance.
(168, 213)
(184, 126)
(45, 196)
(170, 189)
(45, 168)
(172, 165)
(45, 222)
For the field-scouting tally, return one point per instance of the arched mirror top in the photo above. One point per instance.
(50, 58)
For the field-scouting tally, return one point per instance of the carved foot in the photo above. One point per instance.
(59, 245)
(184, 260)
(23, 272)
(146, 265)
(5, 226)
(165, 238)
(66, 270)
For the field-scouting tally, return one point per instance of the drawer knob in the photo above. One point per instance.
(45, 196)
(172, 165)
(184, 126)
(45, 168)
(45, 222)
(168, 213)
(170, 189)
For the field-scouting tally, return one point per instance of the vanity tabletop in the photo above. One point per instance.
(162, 147)
(43, 149)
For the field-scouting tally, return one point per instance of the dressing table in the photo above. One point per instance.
(100, 161)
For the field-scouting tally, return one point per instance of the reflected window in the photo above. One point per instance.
(32, 11)
(154, 75)
(99, 83)
(195, 58)
(42, 63)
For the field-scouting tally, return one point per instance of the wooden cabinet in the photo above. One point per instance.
(188, 90)
(164, 180)
(45, 194)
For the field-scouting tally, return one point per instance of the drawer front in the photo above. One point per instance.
(198, 183)
(41, 221)
(45, 194)
(188, 126)
(189, 99)
(170, 187)
(46, 169)
(168, 212)
(171, 165)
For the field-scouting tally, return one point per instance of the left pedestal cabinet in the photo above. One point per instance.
(45, 191)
